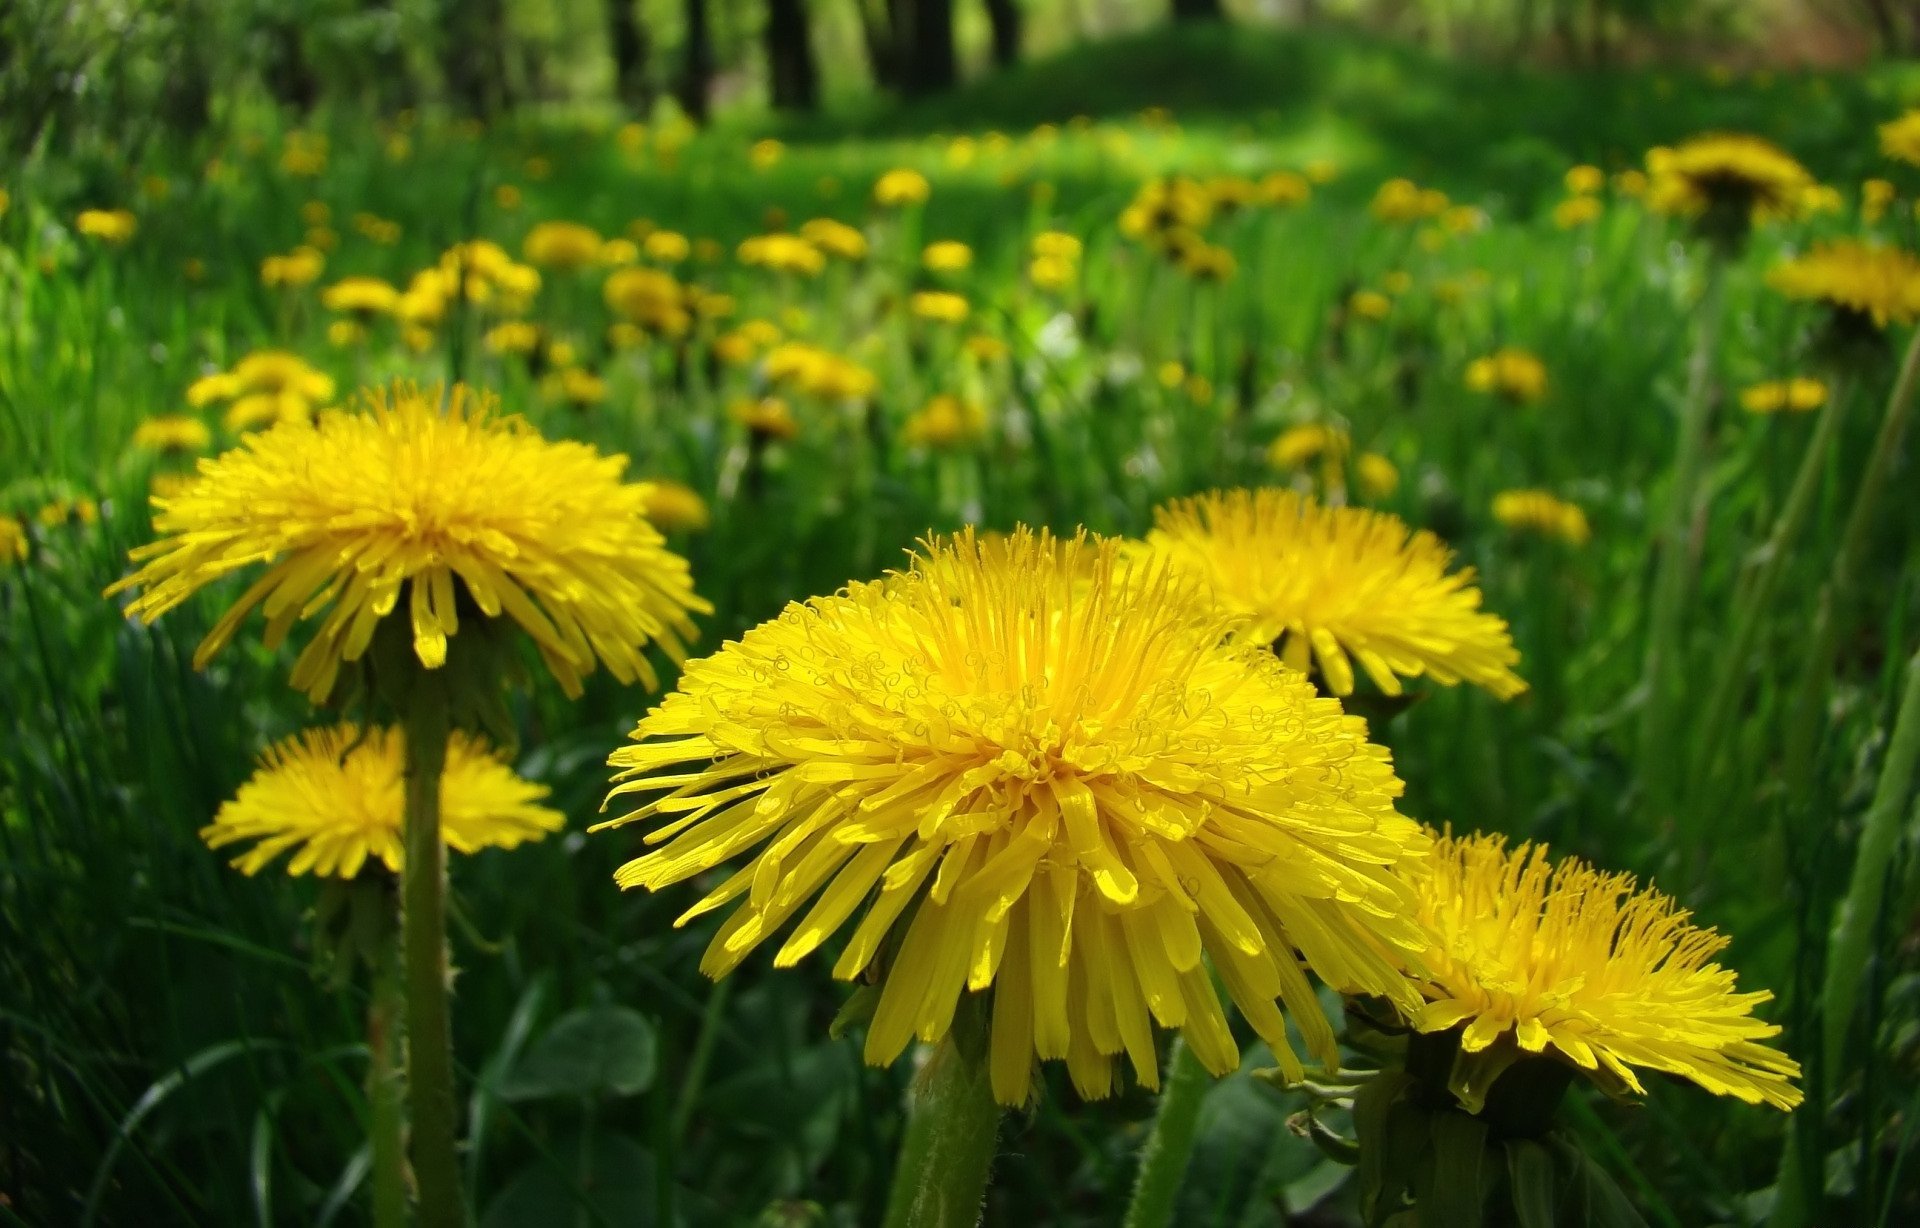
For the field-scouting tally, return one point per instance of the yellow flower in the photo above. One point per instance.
(675, 507)
(303, 155)
(667, 247)
(835, 238)
(1370, 304)
(651, 298)
(1577, 211)
(782, 253)
(1310, 441)
(1900, 138)
(426, 497)
(316, 213)
(946, 256)
(1631, 182)
(112, 226)
(1537, 511)
(1512, 373)
(1585, 180)
(376, 228)
(346, 334)
(1402, 200)
(1338, 585)
(1056, 245)
(68, 509)
(1798, 395)
(337, 799)
(1378, 476)
(765, 153)
(14, 542)
(819, 373)
(938, 305)
(577, 386)
(1285, 188)
(1322, 170)
(562, 245)
(901, 187)
(1060, 787)
(300, 267)
(986, 348)
(363, 296)
(1171, 375)
(277, 371)
(322, 240)
(1736, 177)
(765, 417)
(1208, 262)
(1864, 280)
(1050, 272)
(1875, 196)
(945, 422)
(172, 433)
(1566, 960)
(513, 337)
(507, 196)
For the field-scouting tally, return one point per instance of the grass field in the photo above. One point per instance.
(174, 1048)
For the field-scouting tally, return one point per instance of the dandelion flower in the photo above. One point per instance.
(337, 799)
(1577, 211)
(443, 505)
(1537, 511)
(172, 433)
(1584, 180)
(835, 238)
(111, 226)
(1378, 476)
(14, 542)
(1732, 177)
(562, 245)
(938, 305)
(1299, 446)
(1339, 585)
(1048, 774)
(946, 256)
(1798, 395)
(901, 187)
(1900, 138)
(1512, 374)
(1370, 304)
(300, 267)
(1866, 281)
(765, 417)
(946, 421)
(675, 507)
(1531, 958)
(361, 296)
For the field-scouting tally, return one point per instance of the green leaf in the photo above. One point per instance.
(600, 1050)
(1457, 1198)
(1531, 1182)
(1597, 1201)
(855, 1012)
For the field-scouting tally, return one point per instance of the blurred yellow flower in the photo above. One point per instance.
(946, 421)
(1402, 200)
(300, 267)
(819, 373)
(1282, 188)
(507, 196)
(512, 337)
(618, 253)
(938, 305)
(336, 799)
(562, 245)
(1875, 196)
(1726, 179)
(651, 298)
(1863, 281)
(666, 247)
(1370, 304)
(984, 348)
(1577, 211)
(576, 386)
(835, 238)
(765, 417)
(1539, 511)
(675, 507)
(1584, 180)
(1900, 138)
(1798, 395)
(303, 154)
(1050, 272)
(361, 296)
(14, 540)
(346, 334)
(1298, 446)
(1378, 477)
(782, 253)
(111, 226)
(766, 153)
(1511, 373)
(901, 187)
(946, 256)
(172, 433)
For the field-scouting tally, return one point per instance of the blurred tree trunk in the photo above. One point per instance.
(186, 99)
(795, 78)
(473, 54)
(927, 40)
(1004, 16)
(289, 77)
(627, 41)
(879, 30)
(1198, 10)
(696, 64)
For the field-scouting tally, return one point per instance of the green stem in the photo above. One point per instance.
(1816, 666)
(1853, 924)
(701, 1057)
(424, 925)
(952, 1126)
(386, 1089)
(1755, 599)
(1163, 1161)
(1668, 604)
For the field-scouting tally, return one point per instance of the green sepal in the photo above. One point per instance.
(1532, 1185)
(856, 1011)
(1330, 1142)
(1456, 1182)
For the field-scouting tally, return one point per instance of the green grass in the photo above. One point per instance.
(170, 1053)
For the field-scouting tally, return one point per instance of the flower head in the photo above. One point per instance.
(300, 267)
(1532, 957)
(783, 253)
(436, 499)
(1798, 395)
(835, 238)
(1739, 178)
(1900, 138)
(1512, 374)
(1870, 281)
(113, 226)
(562, 245)
(361, 296)
(1045, 772)
(946, 256)
(1538, 511)
(939, 305)
(1339, 585)
(675, 507)
(901, 187)
(945, 421)
(336, 798)
(172, 433)
(14, 541)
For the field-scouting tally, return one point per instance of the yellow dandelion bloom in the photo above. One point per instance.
(1051, 778)
(651, 298)
(765, 153)
(1208, 262)
(576, 386)
(1056, 245)
(945, 421)
(765, 417)
(1514, 374)
(346, 334)
(364, 296)
(1584, 180)
(1798, 395)
(819, 373)
(782, 253)
(172, 433)
(435, 499)
(985, 348)
(562, 245)
(14, 541)
(1299, 446)
(1577, 211)
(1339, 585)
(111, 226)
(667, 247)
(1282, 188)
(300, 267)
(336, 799)
(1736, 176)
(675, 507)
(1370, 304)
(1537, 511)
(1378, 476)
(946, 256)
(835, 238)
(1869, 281)
(1900, 138)
(1875, 197)
(513, 337)
(1533, 958)
(901, 187)
(938, 305)
(1050, 272)
(1402, 200)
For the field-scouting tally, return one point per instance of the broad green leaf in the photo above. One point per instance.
(600, 1050)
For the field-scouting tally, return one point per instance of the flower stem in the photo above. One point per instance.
(952, 1126)
(386, 1089)
(1668, 604)
(1163, 1161)
(1771, 565)
(423, 922)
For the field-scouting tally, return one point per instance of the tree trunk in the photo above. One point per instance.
(879, 30)
(1198, 10)
(696, 66)
(795, 79)
(291, 79)
(931, 67)
(473, 54)
(1004, 16)
(627, 41)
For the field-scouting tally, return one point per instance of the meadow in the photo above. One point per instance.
(1138, 271)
